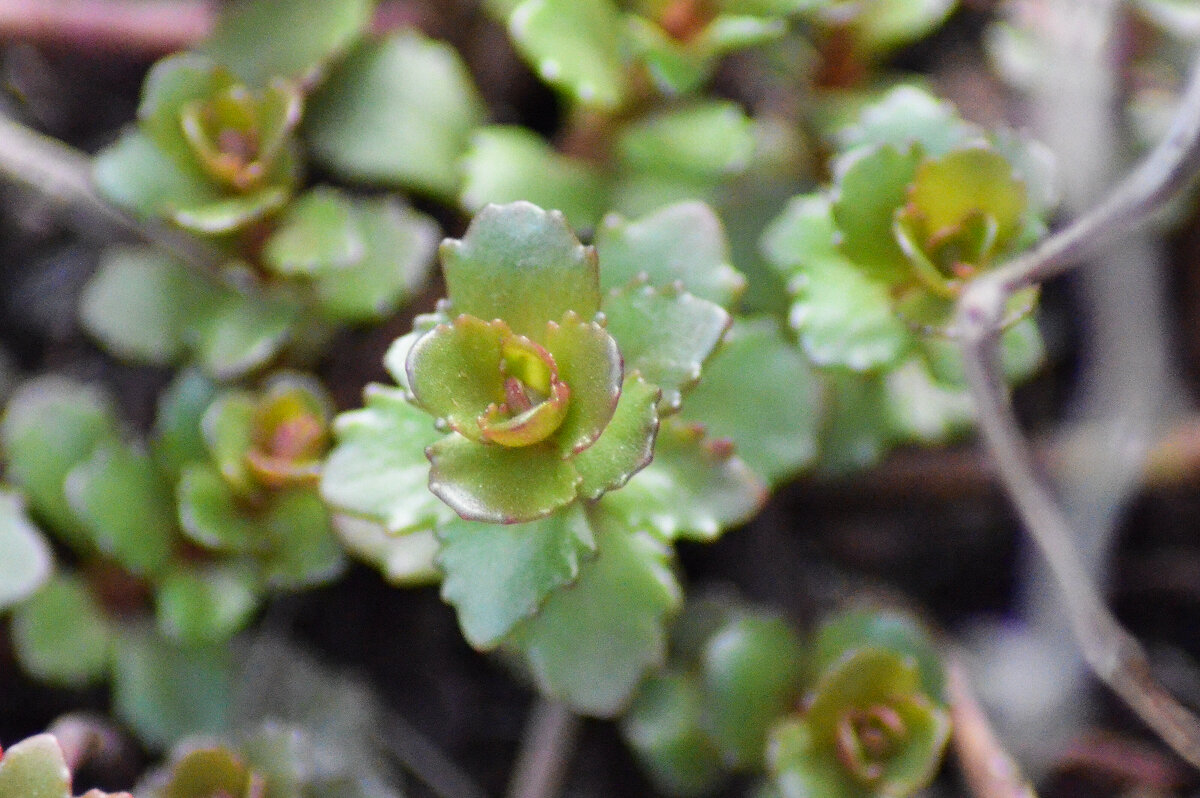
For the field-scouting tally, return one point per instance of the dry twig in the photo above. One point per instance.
(1112, 653)
(987, 768)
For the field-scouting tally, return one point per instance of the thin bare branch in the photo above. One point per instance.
(425, 760)
(1109, 650)
(987, 768)
(1155, 180)
(135, 26)
(546, 748)
(62, 175)
(145, 28)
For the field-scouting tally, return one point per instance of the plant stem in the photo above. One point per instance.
(1166, 170)
(62, 175)
(113, 25)
(546, 746)
(987, 768)
(426, 761)
(1109, 650)
(145, 28)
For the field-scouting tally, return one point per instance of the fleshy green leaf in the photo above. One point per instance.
(210, 514)
(51, 424)
(35, 768)
(454, 371)
(496, 575)
(775, 432)
(590, 364)
(378, 470)
(521, 264)
(406, 560)
(25, 560)
(135, 174)
(665, 334)
(843, 315)
(241, 333)
(304, 551)
(318, 234)
(374, 123)
(947, 190)
(908, 115)
(177, 438)
(228, 214)
(872, 185)
(498, 484)
(120, 497)
(881, 628)
(509, 163)
(590, 645)
(675, 67)
(285, 38)
(886, 24)
(228, 428)
(871, 687)
(797, 773)
(172, 83)
(664, 728)
(683, 242)
(399, 245)
(61, 636)
(205, 604)
(856, 431)
(166, 692)
(706, 140)
(919, 408)
(627, 443)
(575, 47)
(141, 303)
(693, 488)
(752, 670)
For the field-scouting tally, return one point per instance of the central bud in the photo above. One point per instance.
(866, 738)
(534, 401)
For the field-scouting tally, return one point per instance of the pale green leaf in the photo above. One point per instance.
(261, 39)
(521, 264)
(378, 470)
(51, 424)
(683, 242)
(498, 484)
(121, 498)
(665, 334)
(591, 645)
(575, 47)
(141, 304)
(760, 392)
(166, 692)
(707, 140)
(35, 768)
(693, 488)
(205, 604)
(395, 264)
(872, 185)
(25, 559)
(318, 234)
(375, 121)
(61, 636)
(843, 315)
(496, 575)
(509, 163)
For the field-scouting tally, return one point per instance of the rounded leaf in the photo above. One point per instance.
(484, 482)
(521, 264)
(25, 559)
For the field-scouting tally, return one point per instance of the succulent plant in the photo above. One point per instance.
(874, 723)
